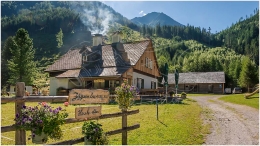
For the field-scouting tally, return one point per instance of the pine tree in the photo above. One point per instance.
(248, 74)
(59, 37)
(21, 66)
(5, 56)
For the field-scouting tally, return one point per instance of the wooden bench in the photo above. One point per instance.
(149, 91)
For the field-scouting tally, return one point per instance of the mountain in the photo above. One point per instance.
(154, 18)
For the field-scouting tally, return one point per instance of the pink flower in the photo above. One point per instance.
(44, 103)
(66, 103)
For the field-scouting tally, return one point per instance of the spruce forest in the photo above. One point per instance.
(56, 27)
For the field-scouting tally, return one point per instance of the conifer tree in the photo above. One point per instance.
(21, 66)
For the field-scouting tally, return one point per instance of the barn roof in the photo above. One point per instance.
(198, 77)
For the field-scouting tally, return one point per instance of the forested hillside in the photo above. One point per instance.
(242, 37)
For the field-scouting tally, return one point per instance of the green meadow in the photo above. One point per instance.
(178, 124)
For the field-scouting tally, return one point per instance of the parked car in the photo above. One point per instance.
(237, 90)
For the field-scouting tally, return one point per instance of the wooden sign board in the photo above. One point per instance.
(87, 112)
(85, 96)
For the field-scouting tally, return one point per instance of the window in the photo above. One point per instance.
(153, 85)
(84, 58)
(106, 83)
(140, 83)
(89, 84)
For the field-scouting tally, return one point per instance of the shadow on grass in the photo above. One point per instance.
(252, 97)
(162, 123)
(188, 99)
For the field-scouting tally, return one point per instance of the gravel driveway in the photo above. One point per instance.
(231, 124)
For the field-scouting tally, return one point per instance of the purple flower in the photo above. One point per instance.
(30, 119)
(60, 108)
(33, 135)
(25, 119)
(50, 110)
(24, 106)
(55, 111)
(17, 115)
(40, 121)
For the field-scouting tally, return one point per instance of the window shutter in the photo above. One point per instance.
(145, 62)
(142, 84)
(137, 83)
(151, 84)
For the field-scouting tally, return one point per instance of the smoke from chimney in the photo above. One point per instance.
(96, 19)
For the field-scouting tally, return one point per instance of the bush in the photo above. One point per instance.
(94, 133)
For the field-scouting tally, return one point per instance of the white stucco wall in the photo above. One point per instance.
(28, 88)
(56, 83)
(147, 80)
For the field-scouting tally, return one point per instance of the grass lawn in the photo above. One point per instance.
(178, 124)
(239, 99)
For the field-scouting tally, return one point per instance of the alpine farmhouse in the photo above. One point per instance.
(104, 66)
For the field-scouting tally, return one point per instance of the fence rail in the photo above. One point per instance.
(78, 140)
(20, 135)
(73, 120)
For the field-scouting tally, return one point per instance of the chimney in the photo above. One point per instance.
(97, 39)
(117, 37)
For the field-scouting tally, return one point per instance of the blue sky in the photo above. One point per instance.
(215, 14)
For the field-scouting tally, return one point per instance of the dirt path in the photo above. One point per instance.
(231, 124)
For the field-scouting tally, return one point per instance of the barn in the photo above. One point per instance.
(198, 82)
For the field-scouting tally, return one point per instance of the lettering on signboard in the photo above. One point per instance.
(87, 112)
(85, 96)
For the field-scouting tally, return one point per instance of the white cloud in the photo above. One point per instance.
(144, 14)
(141, 12)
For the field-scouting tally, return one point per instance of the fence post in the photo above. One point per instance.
(124, 126)
(20, 135)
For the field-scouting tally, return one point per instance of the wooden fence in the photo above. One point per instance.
(20, 99)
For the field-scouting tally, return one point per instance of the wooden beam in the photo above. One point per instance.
(73, 120)
(20, 135)
(36, 99)
(79, 140)
(118, 131)
(105, 116)
(7, 128)
(124, 126)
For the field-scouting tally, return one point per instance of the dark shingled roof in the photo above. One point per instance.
(70, 60)
(103, 57)
(198, 77)
(94, 72)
